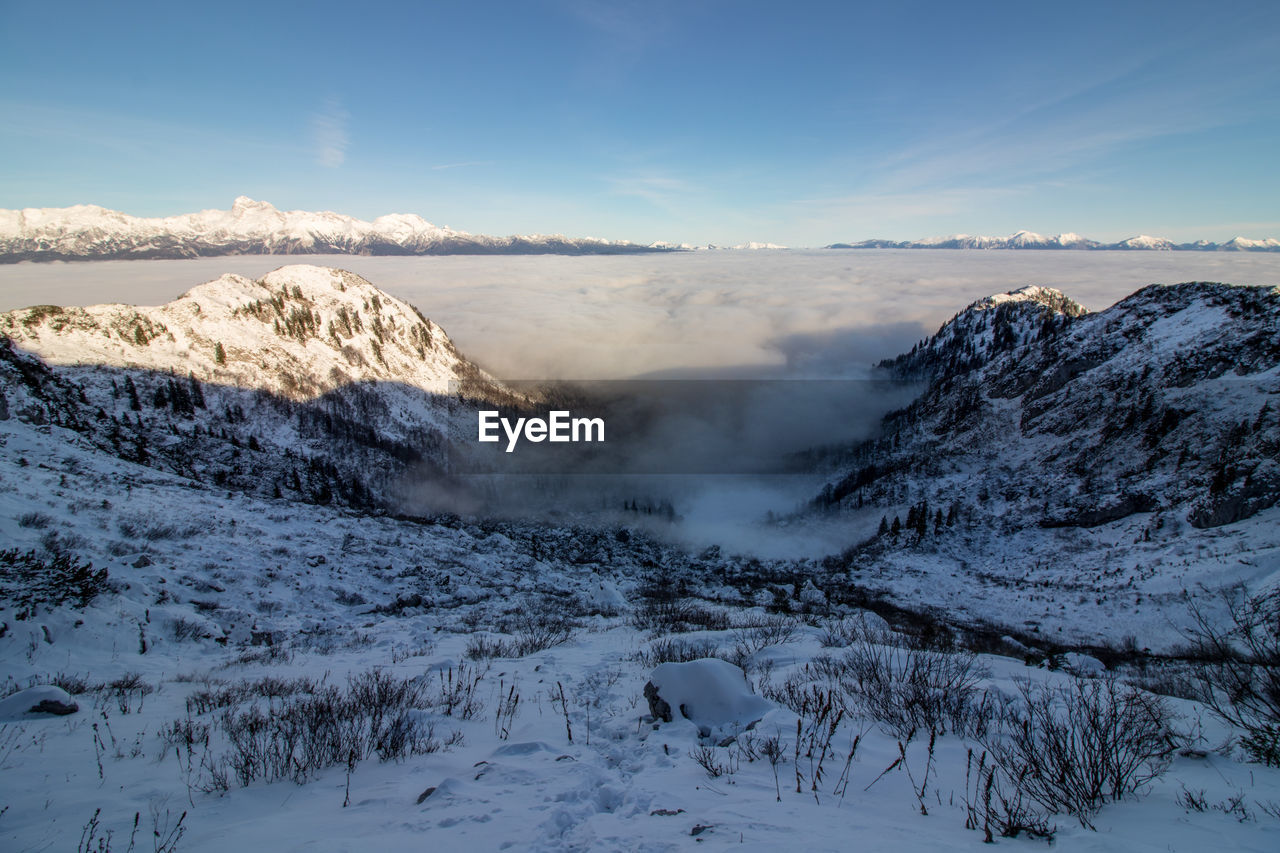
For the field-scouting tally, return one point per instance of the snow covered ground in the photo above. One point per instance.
(198, 576)
(263, 672)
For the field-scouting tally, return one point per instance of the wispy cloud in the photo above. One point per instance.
(659, 190)
(128, 134)
(1066, 134)
(463, 165)
(329, 134)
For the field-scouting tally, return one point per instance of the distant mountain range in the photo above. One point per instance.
(89, 232)
(1031, 240)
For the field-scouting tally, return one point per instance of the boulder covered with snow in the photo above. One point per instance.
(1085, 666)
(36, 701)
(602, 596)
(712, 694)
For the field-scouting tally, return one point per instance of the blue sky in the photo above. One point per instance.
(801, 123)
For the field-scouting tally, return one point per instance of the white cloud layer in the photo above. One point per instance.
(742, 314)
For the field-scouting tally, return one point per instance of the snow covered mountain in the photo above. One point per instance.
(1122, 449)
(1031, 240)
(335, 388)
(1161, 403)
(251, 227)
(200, 579)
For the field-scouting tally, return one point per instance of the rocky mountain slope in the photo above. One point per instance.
(309, 381)
(1031, 240)
(1115, 459)
(1163, 401)
(1129, 452)
(251, 227)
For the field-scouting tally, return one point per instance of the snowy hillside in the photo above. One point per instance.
(1132, 453)
(299, 331)
(267, 674)
(214, 636)
(309, 381)
(256, 228)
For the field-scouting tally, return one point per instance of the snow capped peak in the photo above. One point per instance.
(1048, 297)
(243, 204)
(939, 241)
(1246, 244)
(1028, 238)
(256, 227)
(1068, 240)
(755, 246)
(998, 323)
(1028, 293)
(1143, 241)
(299, 332)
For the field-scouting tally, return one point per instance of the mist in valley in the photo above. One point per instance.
(776, 348)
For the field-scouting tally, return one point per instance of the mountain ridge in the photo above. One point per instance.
(326, 380)
(1029, 240)
(90, 232)
(1166, 396)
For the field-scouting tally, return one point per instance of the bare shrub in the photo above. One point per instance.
(273, 654)
(71, 682)
(540, 628)
(1074, 748)
(775, 752)
(30, 579)
(125, 690)
(759, 631)
(676, 650)
(676, 616)
(708, 758)
(182, 629)
(1238, 676)
(535, 628)
(454, 692)
(153, 530)
(1174, 679)
(996, 804)
(185, 733)
(805, 692)
(58, 544)
(35, 520)
(349, 597)
(204, 701)
(911, 690)
(504, 717)
(116, 548)
(815, 731)
(269, 687)
(303, 734)
(847, 630)
(165, 833)
(484, 647)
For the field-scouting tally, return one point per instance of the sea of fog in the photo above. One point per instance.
(752, 314)
(727, 315)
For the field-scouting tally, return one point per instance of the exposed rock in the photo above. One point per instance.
(659, 709)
